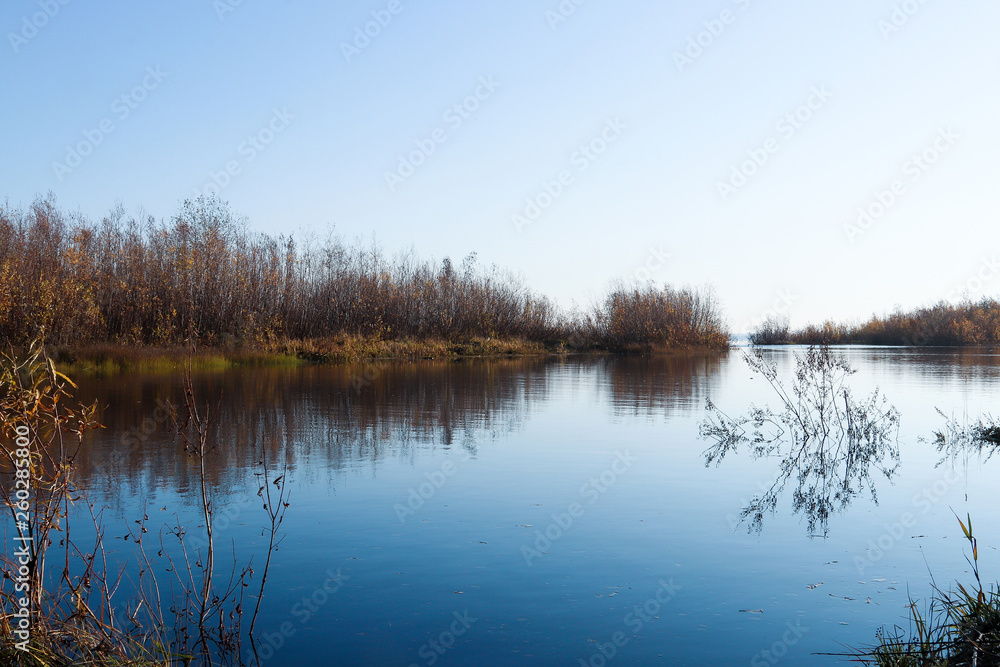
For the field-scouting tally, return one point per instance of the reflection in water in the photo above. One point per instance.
(934, 366)
(981, 439)
(524, 435)
(827, 442)
(330, 420)
(320, 420)
(647, 386)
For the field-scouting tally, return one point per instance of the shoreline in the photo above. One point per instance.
(109, 358)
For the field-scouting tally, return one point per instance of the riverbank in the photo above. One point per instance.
(111, 358)
(106, 358)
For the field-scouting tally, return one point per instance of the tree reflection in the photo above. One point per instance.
(336, 420)
(665, 386)
(828, 443)
(316, 420)
(981, 438)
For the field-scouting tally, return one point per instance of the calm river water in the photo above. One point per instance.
(552, 512)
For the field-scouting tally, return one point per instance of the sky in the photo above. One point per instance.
(818, 160)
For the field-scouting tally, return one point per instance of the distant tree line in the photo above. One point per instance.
(943, 324)
(205, 275)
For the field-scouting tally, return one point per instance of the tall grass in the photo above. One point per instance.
(62, 601)
(959, 627)
(204, 275)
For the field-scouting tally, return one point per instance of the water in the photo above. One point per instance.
(541, 512)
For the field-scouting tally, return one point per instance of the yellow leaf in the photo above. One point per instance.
(67, 379)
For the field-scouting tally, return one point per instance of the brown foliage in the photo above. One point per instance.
(204, 276)
(944, 324)
(641, 317)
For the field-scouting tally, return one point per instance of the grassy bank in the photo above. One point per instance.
(104, 359)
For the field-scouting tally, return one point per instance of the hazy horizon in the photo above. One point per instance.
(443, 128)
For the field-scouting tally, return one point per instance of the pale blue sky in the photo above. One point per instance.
(676, 132)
